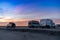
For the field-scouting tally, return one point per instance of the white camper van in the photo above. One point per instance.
(47, 23)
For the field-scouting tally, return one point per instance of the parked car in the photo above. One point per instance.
(58, 25)
(33, 24)
(11, 25)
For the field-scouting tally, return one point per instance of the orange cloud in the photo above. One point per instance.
(22, 22)
(18, 22)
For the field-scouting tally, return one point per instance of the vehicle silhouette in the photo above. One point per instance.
(47, 23)
(11, 25)
(33, 24)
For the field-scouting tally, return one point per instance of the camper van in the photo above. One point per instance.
(47, 23)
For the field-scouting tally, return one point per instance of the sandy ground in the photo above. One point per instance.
(13, 35)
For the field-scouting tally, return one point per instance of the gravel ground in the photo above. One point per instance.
(13, 35)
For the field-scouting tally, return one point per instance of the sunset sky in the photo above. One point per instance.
(21, 11)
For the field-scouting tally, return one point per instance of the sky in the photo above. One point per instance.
(21, 11)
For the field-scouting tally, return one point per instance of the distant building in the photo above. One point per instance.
(47, 23)
(33, 24)
(11, 25)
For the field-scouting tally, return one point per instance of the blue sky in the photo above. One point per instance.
(29, 9)
(21, 11)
